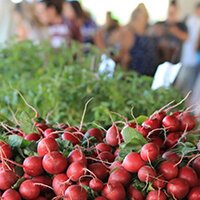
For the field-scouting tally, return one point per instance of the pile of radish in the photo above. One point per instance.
(154, 158)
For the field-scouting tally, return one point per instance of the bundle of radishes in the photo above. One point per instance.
(155, 158)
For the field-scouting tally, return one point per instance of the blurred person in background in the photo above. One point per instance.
(108, 34)
(190, 59)
(30, 23)
(137, 50)
(61, 30)
(171, 34)
(74, 12)
(6, 21)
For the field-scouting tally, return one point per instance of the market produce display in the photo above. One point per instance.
(59, 84)
(155, 157)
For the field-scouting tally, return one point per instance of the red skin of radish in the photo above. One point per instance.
(196, 165)
(151, 124)
(171, 123)
(46, 180)
(71, 129)
(120, 175)
(158, 115)
(41, 127)
(99, 170)
(75, 192)
(168, 170)
(134, 193)
(32, 137)
(77, 155)
(114, 191)
(159, 182)
(5, 150)
(96, 184)
(198, 145)
(171, 156)
(33, 166)
(133, 162)
(100, 198)
(188, 174)
(144, 131)
(116, 153)
(194, 193)
(95, 132)
(178, 188)
(50, 133)
(74, 137)
(75, 171)
(7, 179)
(60, 184)
(54, 163)
(11, 194)
(115, 164)
(188, 121)
(149, 152)
(106, 156)
(6, 167)
(156, 194)
(84, 181)
(46, 146)
(146, 174)
(41, 198)
(131, 124)
(28, 190)
(172, 139)
(157, 141)
(101, 147)
(113, 136)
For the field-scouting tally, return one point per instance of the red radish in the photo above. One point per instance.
(41, 127)
(158, 115)
(5, 150)
(7, 179)
(156, 195)
(33, 166)
(77, 155)
(32, 137)
(152, 124)
(100, 198)
(11, 194)
(133, 162)
(28, 190)
(115, 164)
(116, 153)
(171, 156)
(47, 145)
(4, 166)
(196, 165)
(113, 191)
(46, 180)
(134, 193)
(198, 145)
(99, 170)
(159, 182)
(131, 124)
(149, 152)
(95, 132)
(74, 137)
(168, 169)
(178, 188)
(101, 147)
(146, 174)
(172, 139)
(41, 198)
(187, 120)
(144, 131)
(75, 192)
(120, 175)
(96, 184)
(106, 156)
(194, 193)
(171, 123)
(71, 129)
(113, 136)
(50, 133)
(60, 184)
(157, 141)
(76, 170)
(54, 163)
(84, 181)
(188, 174)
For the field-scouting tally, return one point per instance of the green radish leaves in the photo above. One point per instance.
(133, 141)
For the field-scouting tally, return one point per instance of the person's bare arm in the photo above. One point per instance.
(98, 40)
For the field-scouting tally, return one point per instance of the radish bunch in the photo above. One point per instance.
(156, 158)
